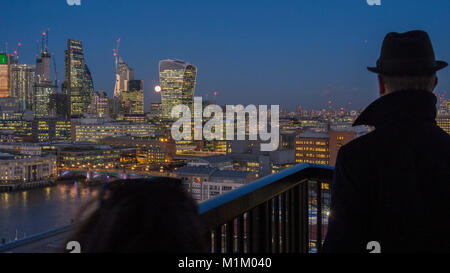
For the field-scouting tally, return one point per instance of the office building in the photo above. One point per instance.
(323, 148)
(123, 75)
(95, 156)
(25, 168)
(204, 183)
(4, 76)
(312, 147)
(100, 105)
(50, 130)
(94, 130)
(59, 106)
(78, 84)
(43, 87)
(444, 122)
(23, 77)
(133, 98)
(17, 127)
(8, 108)
(42, 94)
(155, 111)
(178, 80)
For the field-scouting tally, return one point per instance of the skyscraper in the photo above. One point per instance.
(78, 84)
(43, 87)
(43, 73)
(178, 81)
(42, 94)
(133, 98)
(123, 74)
(59, 106)
(22, 82)
(4, 76)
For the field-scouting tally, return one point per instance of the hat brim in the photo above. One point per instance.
(439, 65)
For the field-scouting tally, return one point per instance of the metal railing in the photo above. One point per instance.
(282, 213)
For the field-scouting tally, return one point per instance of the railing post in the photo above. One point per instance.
(263, 227)
(277, 224)
(294, 219)
(269, 227)
(229, 245)
(249, 231)
(218, 240)
(304, 223)
(287, 228)
(256, 230)
(319, 216)
(240, 234)
(208, 240)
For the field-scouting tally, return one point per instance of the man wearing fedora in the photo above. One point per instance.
(391, 187)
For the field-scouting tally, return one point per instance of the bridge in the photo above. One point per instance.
(286, 212)
(93, 174)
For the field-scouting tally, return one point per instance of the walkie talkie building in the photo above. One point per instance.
(178, 81)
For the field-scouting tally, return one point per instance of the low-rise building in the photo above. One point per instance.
(221, 162)
(204, 182)
(444, 122)
(95, 157)
(96, 130)
(16, 168)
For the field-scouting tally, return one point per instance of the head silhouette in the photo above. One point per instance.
(407, 62)
(136, 216)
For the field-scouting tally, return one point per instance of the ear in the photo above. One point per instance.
(381, 86)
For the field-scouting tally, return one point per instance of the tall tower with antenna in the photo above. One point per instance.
(43, 63)
(44, 87)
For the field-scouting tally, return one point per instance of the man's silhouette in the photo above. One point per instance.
(392, 186)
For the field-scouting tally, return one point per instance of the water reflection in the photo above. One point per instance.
(39, 210)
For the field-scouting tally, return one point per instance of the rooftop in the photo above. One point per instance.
(313, 134)
(214, 158)
(195, 170)
(6, 155)
(231, 174)
(212, 172)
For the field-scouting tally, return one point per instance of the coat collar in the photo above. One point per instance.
(399, 106)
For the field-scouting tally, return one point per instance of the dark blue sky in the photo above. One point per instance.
(251, 52)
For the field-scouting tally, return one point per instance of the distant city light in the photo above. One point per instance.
(158, 89)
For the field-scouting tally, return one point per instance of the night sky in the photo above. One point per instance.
(251, 52)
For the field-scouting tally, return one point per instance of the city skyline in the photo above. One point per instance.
(296, 62)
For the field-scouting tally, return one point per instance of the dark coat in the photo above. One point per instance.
(393, 184)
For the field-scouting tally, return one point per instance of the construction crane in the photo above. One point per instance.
(45, 41)
(37, 49)
(17, 51)
(116, 56)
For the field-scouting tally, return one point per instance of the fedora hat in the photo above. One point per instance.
(407, 54)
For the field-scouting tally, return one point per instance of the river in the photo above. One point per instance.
(31, 212)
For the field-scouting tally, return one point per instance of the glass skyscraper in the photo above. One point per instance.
(178, 81)
(78, 84)
(22, 81)
(42, 94)
(43, 87)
